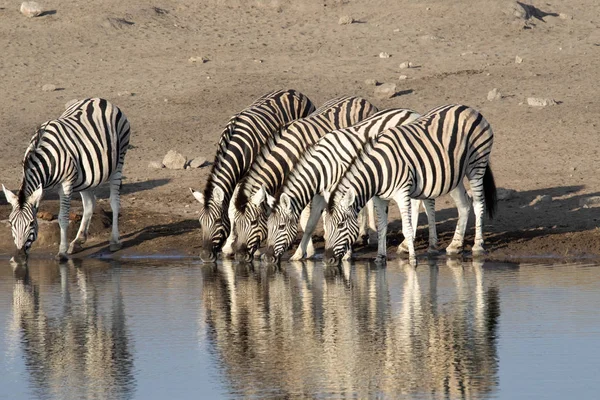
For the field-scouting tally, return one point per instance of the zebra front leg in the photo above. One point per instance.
(461, 198)
(433, 239)
(227, 249)
(381, 208)
(478, 208)
(115, 205)
(415, 210)
(306, 247)
(64, 193)
(88, 200)
(403, 201)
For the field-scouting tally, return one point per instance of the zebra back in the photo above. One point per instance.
(281, 151)
(322, 164)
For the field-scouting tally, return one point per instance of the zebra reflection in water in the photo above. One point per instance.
(356, 330)
(73, 346)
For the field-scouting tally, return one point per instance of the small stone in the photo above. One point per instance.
(383, 54)
(197, 162)
(467, 53)
(45, 215)
(371, 82)
(518, 60)
(155, 165)
(405, 65)
(258, 61)
(385, 91)
(345, 20)
(48, 87)
(70, 103)
(73, 216)
(505, 194)
(403, 77)
(174, 160)
(540, 102)
(124, 94)
(494, 94)
(397, 30)
(198, 59)
(591, 201)
(31, 9)
(565, 16)
(543, 198)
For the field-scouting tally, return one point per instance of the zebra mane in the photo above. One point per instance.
(224, 140)
(34, 144)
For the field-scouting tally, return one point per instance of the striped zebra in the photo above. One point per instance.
(316, 173)
(239, 144)
(81, 149)
(275, 161)
(423, 160)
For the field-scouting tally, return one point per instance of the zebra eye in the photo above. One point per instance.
(340, 225)
(282, 227)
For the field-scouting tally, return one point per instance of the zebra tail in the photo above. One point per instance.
(489, 191)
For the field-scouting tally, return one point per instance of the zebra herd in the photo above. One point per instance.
(280, 162)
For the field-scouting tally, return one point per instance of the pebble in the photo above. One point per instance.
(174, 160)
(372, 82)
(540, 102)
(48, 87)
(197, 162)
(518, 60)
(345, 20)
(403, 77)
(385, 91)
(155, 165)
(565, 16)
(31, 9)
(124, 94)
(591, 201)
(543, 198)
(383, 54)
(198, 59)
(405, 65)
(45, 215)
(494, 94)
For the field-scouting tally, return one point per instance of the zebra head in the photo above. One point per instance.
(250, 224)
(340, 225)
(282, 227)
(23, 220)
(214, 223)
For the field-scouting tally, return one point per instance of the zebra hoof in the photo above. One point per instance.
(478, 251)
(433, 251)
(75, 247)
(454, 250)
(380, 259)
(61, 257)
(402, 249)
(115, 247)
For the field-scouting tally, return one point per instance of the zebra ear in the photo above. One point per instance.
(270, 200)
(10, 197)
(35, 197)
(348, 198)
(285, 202)
(259, 196)
(326, 196)
(198, 196)
(218, 194)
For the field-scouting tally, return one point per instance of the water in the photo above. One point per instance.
(180, 329)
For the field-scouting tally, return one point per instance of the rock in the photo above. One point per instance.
(70, 103)
(403, 77)
(591, 201)
(174, 160)
(540, 102)
(45, 215)
(155, 165)
(494, 94)
(385, 91)
(372, 82)
(543, 198)
(73, 216)
(383, 54)
(518, 60)
(397, 30)
(48, 87)
(505, 194)
(124, 94)
(198, 59)
(565, 16)
(405, 65)
(197, 162)
(31, 9)
(345, 20)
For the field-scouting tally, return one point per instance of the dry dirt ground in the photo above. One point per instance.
(136, 54)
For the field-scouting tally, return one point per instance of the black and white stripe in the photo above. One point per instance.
(316, 173)
(277, 159)
(424, 160)
(80, 150)
(238, 146)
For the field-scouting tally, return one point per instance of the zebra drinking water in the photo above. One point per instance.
(277, 157)
(239, 144)
(81, 149)
(317, 172)
(423, 160)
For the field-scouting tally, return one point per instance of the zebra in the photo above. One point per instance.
(423, 160)
(239, 144)
(83, 148)
(275, 161)
(316, 173)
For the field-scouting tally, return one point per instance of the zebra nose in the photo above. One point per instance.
(21, 255)
(207, 256)
(329, 257)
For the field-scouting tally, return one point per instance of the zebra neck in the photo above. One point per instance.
(32, 180)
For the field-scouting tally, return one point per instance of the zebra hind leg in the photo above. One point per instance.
(89, 202)
(478, 207)
(461, 198)
(115, 204)
(64, 193)
(308, 224)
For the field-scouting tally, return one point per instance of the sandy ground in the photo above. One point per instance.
(136, 54)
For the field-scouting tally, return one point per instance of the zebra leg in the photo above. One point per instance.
(401, 197)
(89, 202)
(306, 248)
(115, 205)
(433, 239)
(64, 192)
(478, 207)
(415, 210)
(461, 198)
(227, 250)
(381, 208)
